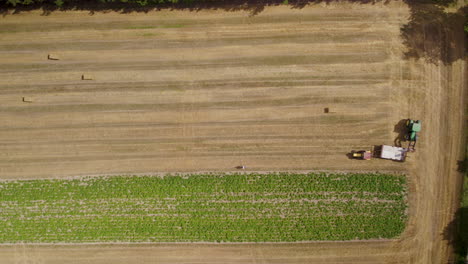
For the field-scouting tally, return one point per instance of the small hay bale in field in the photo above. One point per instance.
(87, 77)
(52, 57)
(28, 100)
(326, 110)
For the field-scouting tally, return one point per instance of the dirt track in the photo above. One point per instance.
(210, 90)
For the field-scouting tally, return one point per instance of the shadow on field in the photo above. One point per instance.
(401, 130)
(253, 6)
(434, 34)
(462, 165)
(456, 233)
(431, 33)
(350, 155)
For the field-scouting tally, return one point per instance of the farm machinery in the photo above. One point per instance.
(413, 127)
(382, 152)
(362, 154)
(396, 153)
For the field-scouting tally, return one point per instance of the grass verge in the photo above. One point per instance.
(277, 207)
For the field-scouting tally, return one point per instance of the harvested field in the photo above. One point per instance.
(181, 91)
(218, 91)
(204, 208)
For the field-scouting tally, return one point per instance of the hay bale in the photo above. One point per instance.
(53, 57)
(326, 110)
(87, 77)
(28, 100)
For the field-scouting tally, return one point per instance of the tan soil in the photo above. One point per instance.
(179, 91)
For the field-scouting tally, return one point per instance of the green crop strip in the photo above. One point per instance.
(278, 207)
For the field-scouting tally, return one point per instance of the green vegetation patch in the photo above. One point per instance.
(204, 207)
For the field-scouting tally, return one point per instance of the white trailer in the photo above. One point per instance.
(392, 153)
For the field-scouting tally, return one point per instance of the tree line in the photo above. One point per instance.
(60, 3)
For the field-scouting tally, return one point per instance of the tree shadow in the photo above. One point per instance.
(456, 233)
(433, 34)
(401, 130)
(254, 7)
(462, 165)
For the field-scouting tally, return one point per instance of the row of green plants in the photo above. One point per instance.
(204, 207)
(146, 186)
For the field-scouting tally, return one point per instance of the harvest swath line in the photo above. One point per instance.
(254, 207)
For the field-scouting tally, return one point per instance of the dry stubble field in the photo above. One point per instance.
(178, 91)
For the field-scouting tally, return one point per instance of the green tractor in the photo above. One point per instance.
(413, 127)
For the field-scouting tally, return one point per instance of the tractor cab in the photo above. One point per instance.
(413, 127)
